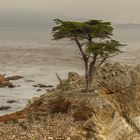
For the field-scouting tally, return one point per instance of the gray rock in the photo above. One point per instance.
(4, 108)
(16, 77)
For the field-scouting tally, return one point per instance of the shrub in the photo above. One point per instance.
(83, 113)
(59, 105)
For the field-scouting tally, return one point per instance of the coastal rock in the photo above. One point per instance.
(116, 112)
(116, 77)
(73, 82)
(39, 90)
(4, 82)
(16, 77)
(11, 101)
(43, 86)
(11, 85)
(115, 103)
(4, 108)
(111, 112)
(26, 80)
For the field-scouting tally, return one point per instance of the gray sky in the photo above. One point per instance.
(38, 12)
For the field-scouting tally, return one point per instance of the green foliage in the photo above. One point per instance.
(82, 30)
(104, 48)
(87, 31)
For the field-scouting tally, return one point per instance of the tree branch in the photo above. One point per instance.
(89, 37)
(59, 79)
(93, 62)
(81, 50)
(102, 61)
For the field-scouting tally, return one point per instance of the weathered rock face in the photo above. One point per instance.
(73, 82)
(116, 105)
(5, 82)
(117, 77)
(111, 112)
(112, 119)
(16, 77)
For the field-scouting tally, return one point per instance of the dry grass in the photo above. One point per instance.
(59, 105)
(83, 113)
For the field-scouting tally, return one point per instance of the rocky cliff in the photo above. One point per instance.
(115, 103)
(110, 112)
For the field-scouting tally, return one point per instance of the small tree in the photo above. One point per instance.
(93, 39)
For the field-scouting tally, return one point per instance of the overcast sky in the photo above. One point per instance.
(38, 12)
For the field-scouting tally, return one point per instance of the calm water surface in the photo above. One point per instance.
(32, 54)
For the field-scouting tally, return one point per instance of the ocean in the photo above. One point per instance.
(31, 53)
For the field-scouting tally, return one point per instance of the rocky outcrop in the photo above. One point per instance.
(73, 82)
(4, 82)
(114, 117)
(110, 112)
(116, 77)
(4, 108)
(16, 77)
(43, 86)
(115, 104)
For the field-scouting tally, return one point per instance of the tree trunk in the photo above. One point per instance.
(86, 59)
(90, 72)
(90, 77)
(86, 76)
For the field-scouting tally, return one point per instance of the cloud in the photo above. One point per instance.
(40, 11)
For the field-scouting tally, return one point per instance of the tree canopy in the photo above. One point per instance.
(94, 40)
(82, 30)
